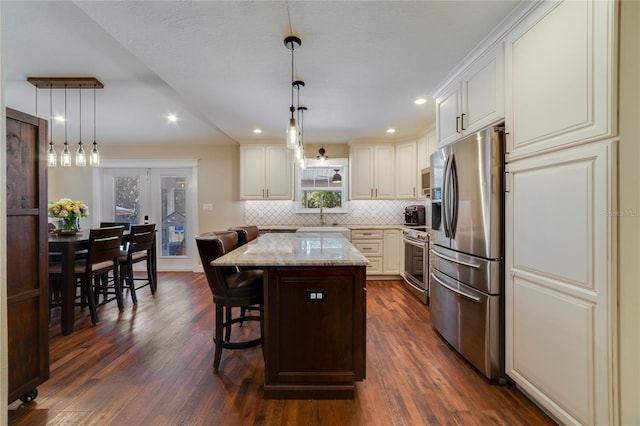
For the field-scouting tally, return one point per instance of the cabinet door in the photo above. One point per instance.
(252, 172)
(384, 172)
(391, 252)
(278, 172)
(447, 116)
(483, 92)
(561, 80)
(407, 175)
(27, 253)
(362, 172)
(560, 283)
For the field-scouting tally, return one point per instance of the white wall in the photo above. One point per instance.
(629, 208)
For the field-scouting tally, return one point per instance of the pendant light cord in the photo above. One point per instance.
(65, 114)
(94, 113)
(293, 49)
(80, 96)
(50, 114)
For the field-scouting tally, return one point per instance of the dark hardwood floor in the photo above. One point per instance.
(152, 365)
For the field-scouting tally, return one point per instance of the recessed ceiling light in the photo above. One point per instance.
(257, 131)
(420, 101)
(172, 118)
(59, 118)
(391, 130)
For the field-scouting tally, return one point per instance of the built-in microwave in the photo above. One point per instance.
(426, 182)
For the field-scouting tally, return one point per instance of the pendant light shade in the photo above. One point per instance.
(336, 177)
(81, 156)
(52, 157)
(94, 157)
(65, 156)
(321, 154)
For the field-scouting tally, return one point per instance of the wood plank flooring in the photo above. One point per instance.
(152, 365)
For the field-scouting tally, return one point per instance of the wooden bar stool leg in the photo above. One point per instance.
(218, 337)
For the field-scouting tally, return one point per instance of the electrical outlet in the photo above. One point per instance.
(207, 206)
(315, 295)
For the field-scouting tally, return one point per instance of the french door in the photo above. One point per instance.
(161, 195)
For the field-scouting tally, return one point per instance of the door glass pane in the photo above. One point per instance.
(174, 213)
(127, 194)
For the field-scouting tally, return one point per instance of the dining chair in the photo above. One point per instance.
(140, 249)
(230, 289)
(101, 258)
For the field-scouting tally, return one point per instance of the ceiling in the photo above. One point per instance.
(223, 69)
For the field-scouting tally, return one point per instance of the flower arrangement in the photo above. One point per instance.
(69, 211)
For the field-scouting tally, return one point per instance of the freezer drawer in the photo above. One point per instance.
(470, 321)
(482, 274)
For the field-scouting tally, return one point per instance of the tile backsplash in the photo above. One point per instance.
(360, 212)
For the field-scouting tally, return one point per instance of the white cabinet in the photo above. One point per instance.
(372, 172)
(561, 284)
(265, 172)
(381, 247)
(560, 287)
(561, 78)
(473, 101)
(406, 170)
(391, 252)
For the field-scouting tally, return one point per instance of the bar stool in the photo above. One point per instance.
(246, 234)
(139, 250)
(230, 288)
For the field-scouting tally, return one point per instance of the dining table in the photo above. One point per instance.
(68, 245)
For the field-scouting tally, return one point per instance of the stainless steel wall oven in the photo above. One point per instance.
(416, 262)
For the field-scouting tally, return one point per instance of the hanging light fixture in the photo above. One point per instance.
(292, 131)
(69, 83)
(81, 156)
(52, 159)
(336, 177)
(94, 157)
(297, 84)
(321, 154)
(65, 155)
(300, 150)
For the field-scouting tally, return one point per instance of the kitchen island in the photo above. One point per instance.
(314, 313)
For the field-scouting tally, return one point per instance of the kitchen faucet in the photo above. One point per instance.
(321, 212)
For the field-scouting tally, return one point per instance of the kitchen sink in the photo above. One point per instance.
(335, 229)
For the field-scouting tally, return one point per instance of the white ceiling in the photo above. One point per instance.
(223, 69)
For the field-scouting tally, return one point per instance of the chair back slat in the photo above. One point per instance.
(125, 225)
(104, 244)
(142, 237)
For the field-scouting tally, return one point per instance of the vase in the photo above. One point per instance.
(69, 226)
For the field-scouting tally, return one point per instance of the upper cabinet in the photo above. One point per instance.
(560, 77)
(372, 172)
(474, 100)
(406, 170)
(265, 172)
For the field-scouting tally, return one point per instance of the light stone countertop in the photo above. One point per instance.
(291, 249)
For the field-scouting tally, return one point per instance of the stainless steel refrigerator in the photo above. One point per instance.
(467, 272)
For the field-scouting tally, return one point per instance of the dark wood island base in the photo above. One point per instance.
(315, 331)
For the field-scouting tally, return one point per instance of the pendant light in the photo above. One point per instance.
(52, 156)
(292, 132)
(321, 154)
(65, 156)
(94, 157)
(297, 84)
(300, 148)
(336, 177)
(81, 156)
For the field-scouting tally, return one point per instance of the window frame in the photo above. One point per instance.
(342, 163)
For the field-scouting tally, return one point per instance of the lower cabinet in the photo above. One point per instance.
(381, 247)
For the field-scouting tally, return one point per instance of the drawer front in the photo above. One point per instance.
(374, 266)
(369, 248)
(366, 234)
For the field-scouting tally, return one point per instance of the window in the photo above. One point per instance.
(322, 184)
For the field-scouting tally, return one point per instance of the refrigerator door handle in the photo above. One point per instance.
(445, 198)
(456, 291)
(453, 218)
(451, 259)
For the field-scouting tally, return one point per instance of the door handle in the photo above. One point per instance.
(456, 291)
(457, 124)
(462, 121)
(454, 260)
